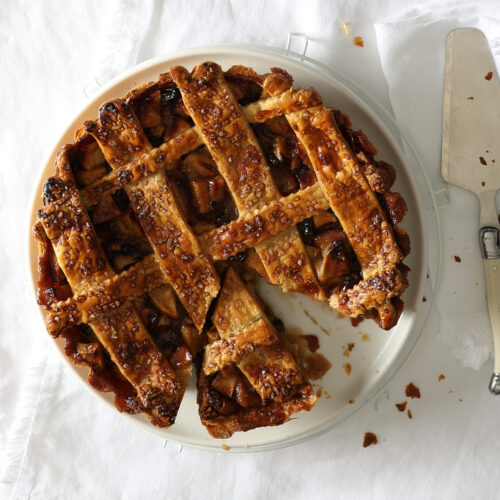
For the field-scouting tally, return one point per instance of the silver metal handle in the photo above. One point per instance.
(494, 385)
(490, 248)
(489, 242)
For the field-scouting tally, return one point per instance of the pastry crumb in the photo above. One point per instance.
(488, 75)
(345, 27)
(358, 40)
(410, 415)
(351, 401)
(224, 446)
(369, 439)
(348, 368)
(401, 406)
(441, 377)
(482, 160)
(471, 98)
(348, 349)
(365, 337)
(457, 258)
(412, 391)
(424, 299)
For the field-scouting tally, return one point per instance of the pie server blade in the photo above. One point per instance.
(471, 150)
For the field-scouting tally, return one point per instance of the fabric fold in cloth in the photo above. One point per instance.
(412, 52)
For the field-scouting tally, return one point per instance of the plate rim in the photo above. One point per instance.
(240, 50)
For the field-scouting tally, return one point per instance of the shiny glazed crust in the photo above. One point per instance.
(145, 280)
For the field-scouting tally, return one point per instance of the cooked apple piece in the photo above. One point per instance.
(191, 338)
(92, 156)
(149, 111)
(175, 126)
(126, 224)
(220, 403)
(334, 263)
(324, 218)
(86, 177)
(245, 395)
(212, 334)
(89, 352)
(122, 261)
(164, 299)
(326, 239)
(206, 192)
(201, 195)
(252, 261)
(279, 125)
(285, 180)
(181, 357)
(155, 134)
(225, 381)
(105, 210)
(199, 163)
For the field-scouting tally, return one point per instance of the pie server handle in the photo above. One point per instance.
(490, 247)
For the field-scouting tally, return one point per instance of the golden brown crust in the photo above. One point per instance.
(265, 166)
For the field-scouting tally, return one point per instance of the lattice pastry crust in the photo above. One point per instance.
(175, 190)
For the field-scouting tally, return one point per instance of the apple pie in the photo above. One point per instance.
(168, 203)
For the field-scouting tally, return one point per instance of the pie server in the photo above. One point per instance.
(471, 151)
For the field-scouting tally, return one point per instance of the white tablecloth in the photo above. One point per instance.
(57, 441)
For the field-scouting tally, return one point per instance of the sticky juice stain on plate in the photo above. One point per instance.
(365, 337)
(315, 321)
(348, 349)
(347, 368)
(312, 342)
(316, 365)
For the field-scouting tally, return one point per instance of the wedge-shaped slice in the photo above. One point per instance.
(248, 378)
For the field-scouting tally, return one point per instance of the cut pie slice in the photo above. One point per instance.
(248, 377)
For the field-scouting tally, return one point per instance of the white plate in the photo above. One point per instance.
(373, 362)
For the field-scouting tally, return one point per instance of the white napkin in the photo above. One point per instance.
(411, 49)
(64, 443)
